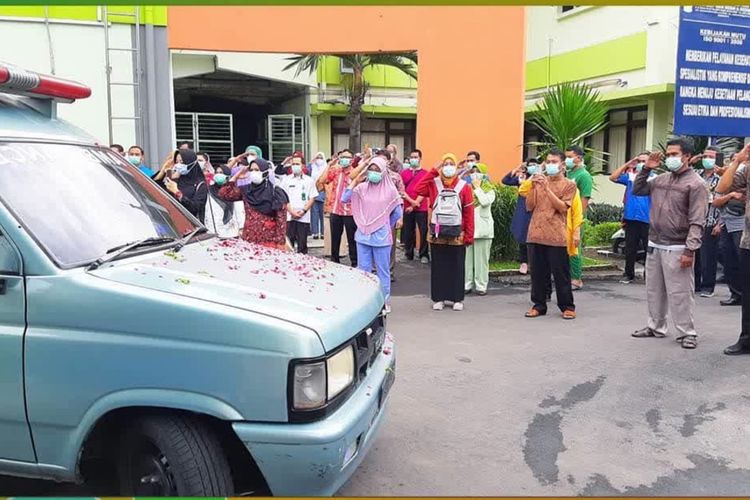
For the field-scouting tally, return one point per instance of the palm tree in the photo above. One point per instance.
(569, 113)
(355, 85)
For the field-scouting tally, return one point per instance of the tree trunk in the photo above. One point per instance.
(356, 100)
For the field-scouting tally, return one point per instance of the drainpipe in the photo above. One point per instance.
(150, 77)
(549, 59)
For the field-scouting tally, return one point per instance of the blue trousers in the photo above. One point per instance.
(381, 257)
(316, 218)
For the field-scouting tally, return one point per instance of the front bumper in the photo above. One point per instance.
(316, 459)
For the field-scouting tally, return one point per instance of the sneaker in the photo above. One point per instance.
(707, 295)
(425, 260)
(481, 293)
(438, 306)
(626, 281)
(458, 306)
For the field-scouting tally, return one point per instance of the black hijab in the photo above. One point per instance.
(265, 197)
(189, 182)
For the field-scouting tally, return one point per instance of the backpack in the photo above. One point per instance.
(447, 211)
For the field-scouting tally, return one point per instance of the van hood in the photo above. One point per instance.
(334, 300)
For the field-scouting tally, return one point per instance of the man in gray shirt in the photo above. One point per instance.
(732, 221)
(736, 179)
(679, 201)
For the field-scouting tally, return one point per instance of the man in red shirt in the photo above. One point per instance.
(415, 209)
(336, 175)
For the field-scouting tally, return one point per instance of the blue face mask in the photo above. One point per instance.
(220, 179)
(639, 167)
(674, 163)
(374, 177)
(709, 163)
(134, 160)
(345, 162)
(552, 169)
(532, 169)
(181, 169)
(569, 162)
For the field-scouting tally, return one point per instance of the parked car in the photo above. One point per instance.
(618, 245)
(134, 342)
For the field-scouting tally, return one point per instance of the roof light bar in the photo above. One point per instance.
(20, 81)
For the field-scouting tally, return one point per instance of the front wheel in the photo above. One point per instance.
(172, 455)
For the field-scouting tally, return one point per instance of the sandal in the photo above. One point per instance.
(569, 314)
(647, 332)
(533, 313)
(688, 341)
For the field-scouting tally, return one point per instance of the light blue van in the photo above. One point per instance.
(137, 346)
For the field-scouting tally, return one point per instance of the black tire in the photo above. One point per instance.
(172, 455)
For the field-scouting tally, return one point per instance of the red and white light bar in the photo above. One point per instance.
(14, 80)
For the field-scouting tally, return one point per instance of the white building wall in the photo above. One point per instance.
(551, 33)
(77, 54)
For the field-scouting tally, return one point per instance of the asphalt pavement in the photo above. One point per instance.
(488, 402)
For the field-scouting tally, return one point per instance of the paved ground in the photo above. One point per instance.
(490, 403)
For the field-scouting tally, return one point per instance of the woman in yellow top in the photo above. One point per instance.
(575, 217)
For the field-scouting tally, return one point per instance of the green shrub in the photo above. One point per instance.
(504, 247)
(596, 235)
(598, 213)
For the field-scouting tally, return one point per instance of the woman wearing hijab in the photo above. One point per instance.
(376, 208)
(264, 203)
(188, 184)
(222, 217)
(316, 168)
(478, 254)
(451, 218)
(519, 225)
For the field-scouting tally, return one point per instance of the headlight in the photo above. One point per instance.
(319, 382)
(340, 371)
(309, 386)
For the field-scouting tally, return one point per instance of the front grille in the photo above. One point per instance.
(369, 343)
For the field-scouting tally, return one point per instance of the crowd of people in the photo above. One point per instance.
(686, 220)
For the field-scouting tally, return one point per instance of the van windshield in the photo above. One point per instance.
(78, 201)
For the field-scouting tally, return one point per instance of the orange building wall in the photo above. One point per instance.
(471, 61)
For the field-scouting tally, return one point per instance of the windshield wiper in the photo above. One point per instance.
(115, 252)
(189, 236)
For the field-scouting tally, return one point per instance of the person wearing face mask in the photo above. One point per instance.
(301, 191)
(635, 213)
(706, 258)
(137, 158)
(519, 225)
(317, 220)
(679, 200)
(576, 171)
(204, 162)
(478, 253)
(451, 229)
(187, 183)
(336, 178)
(223, 218)
(376, 208)
(415, 210)
(394, 164)
(265, 204)
(549, 199)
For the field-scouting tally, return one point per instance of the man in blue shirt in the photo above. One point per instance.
(636, 215)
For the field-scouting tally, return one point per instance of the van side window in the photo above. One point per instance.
(8, 257)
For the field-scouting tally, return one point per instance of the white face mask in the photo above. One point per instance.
(296, 169)
(202, 163)
(320, 162)
(449, 171)
(255, 176)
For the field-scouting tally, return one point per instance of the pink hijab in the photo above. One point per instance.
(372, 204)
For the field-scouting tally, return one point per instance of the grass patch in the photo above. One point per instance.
(506, 265)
